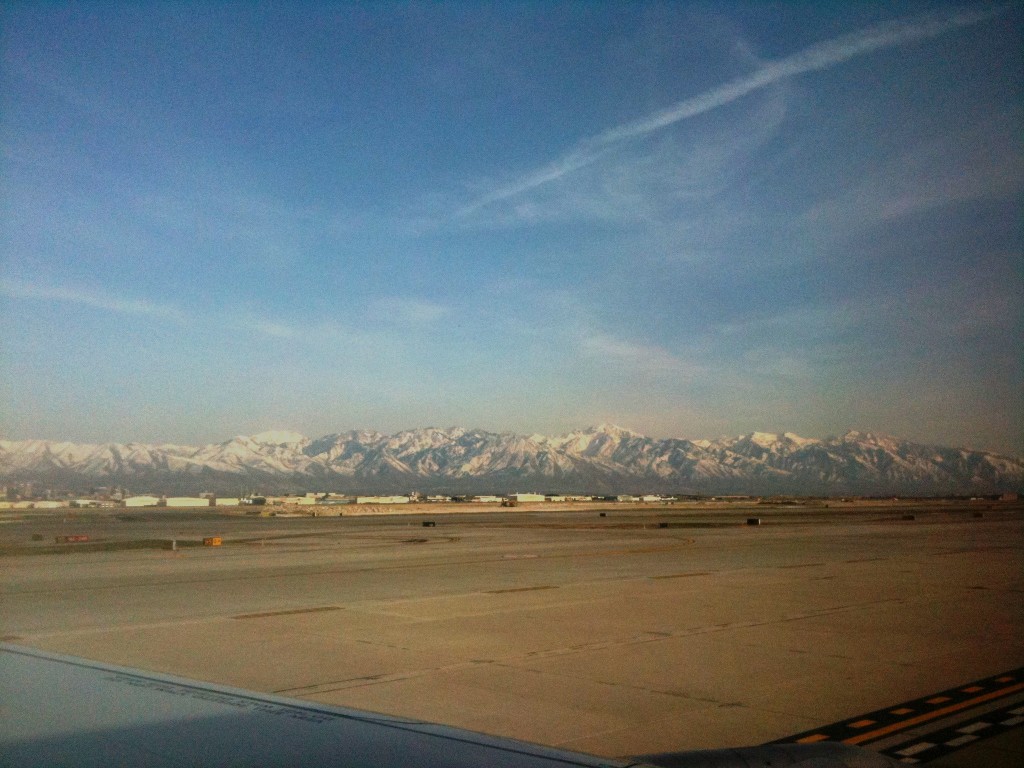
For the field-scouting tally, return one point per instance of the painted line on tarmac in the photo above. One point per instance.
(940, 743)
(934, 715)
(901, 731)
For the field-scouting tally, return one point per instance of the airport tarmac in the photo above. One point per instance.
(636, 632)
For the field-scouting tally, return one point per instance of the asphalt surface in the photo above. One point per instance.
(637, 632)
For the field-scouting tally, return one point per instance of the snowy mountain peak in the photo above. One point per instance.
(771, 441)
(604, 458)
(870, 438)
(613, 430)
(764, 439)
(279, 437)
(801, 441)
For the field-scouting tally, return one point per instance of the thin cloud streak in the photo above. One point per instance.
(409, 311)
(17, 289)
(268, 327)
(31, 291)
(645, 357)
(812, 59)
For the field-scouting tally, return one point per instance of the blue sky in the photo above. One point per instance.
(689, 219)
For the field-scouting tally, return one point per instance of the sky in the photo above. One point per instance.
(689, 219)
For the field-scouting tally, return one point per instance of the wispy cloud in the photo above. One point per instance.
(266, 326)
(409, 311)
(18, 289)
(815, 58)
(262, 230)
(651, 183)
(644, 357)
(564, 327)
(985, 161)
(271, 328)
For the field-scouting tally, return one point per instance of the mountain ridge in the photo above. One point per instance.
(603, 458)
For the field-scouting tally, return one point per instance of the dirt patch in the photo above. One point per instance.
(95, 546)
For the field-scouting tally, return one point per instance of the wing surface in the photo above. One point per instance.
(64, 711)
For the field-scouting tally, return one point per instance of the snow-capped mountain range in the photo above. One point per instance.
(605, 459)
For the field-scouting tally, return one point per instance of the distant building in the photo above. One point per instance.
(141, 501)
(224, 501)
(382, 499)
(334, 499)
(49, 504)
(289, 500)
(487, 499)
(187, 501)
(524, 497)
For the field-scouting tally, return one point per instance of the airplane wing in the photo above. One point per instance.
(64, 711)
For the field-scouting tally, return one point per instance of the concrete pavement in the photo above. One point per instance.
(613, 636)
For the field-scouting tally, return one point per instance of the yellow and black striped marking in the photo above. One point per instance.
(930, 727)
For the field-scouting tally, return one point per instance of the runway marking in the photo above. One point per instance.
(975, 727)
(267, 614)
(961, 740)
(813, 738)
(903, 725)
(954, 737)
(916, 749)
(930, 727)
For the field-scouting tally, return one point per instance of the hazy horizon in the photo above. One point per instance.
(690, 220)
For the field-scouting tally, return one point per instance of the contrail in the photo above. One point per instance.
(813, 59)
